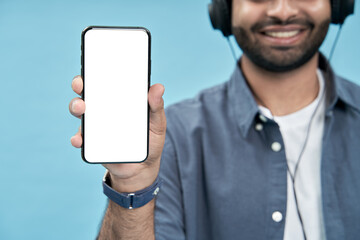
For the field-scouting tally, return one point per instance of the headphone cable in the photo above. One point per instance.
(231, 48)
(335, 43)
(292, 176)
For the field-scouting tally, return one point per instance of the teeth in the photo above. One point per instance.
(282, 34)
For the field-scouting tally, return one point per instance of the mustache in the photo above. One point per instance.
(278, 22)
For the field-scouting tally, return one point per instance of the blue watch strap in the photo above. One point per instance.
(131, 200)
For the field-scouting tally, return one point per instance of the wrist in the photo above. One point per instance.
(131, 200)
(135, 183)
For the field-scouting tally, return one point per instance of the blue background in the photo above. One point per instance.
(46, 190)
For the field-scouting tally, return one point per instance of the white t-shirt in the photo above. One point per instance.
(293, 128)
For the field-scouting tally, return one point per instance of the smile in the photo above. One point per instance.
(282, 34)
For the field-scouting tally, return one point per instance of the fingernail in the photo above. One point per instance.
(73, 81)
(73, 105)
(76, 77)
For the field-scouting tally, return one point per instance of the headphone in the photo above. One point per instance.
(220, 13)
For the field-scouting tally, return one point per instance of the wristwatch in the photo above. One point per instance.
(131, 200)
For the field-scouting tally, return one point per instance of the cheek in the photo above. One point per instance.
(245, 14)
(318, 10)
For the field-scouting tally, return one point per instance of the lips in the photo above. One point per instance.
(283, 35)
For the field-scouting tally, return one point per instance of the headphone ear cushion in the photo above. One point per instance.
(335, 7)
(340, 9)
(220, 16)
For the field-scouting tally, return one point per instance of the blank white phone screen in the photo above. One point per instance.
(116, 80)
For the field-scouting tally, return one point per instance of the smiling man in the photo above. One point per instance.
(273, 153)
(280, 36)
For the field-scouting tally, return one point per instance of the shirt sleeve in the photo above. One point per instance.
(169, 213)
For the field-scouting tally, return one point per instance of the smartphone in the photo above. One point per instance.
(116, 74)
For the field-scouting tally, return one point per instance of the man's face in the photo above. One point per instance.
(280, 35)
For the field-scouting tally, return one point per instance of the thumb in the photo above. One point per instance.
(157, 113)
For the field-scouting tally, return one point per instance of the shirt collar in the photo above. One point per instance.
(242, 101)
(338, 90)
(245, 107)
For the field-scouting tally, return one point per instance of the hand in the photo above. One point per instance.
(131, 177)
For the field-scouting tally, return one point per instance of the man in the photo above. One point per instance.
(271, 154)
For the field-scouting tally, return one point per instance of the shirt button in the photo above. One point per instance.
(262, 118)
(275, 146)
(258, 126)
(277, 216)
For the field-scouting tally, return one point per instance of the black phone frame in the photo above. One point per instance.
(83, 92)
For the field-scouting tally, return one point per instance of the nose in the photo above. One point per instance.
(282, 9)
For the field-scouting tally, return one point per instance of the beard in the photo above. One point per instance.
(278, 58)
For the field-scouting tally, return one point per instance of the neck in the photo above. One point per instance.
(286, 92)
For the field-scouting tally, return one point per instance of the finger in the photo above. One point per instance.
(77, 84)
(77, 107)
(157, 113)
(76, 140)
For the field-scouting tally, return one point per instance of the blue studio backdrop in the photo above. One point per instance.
(46, 190)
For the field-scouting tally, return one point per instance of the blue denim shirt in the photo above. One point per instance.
(223, 181)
